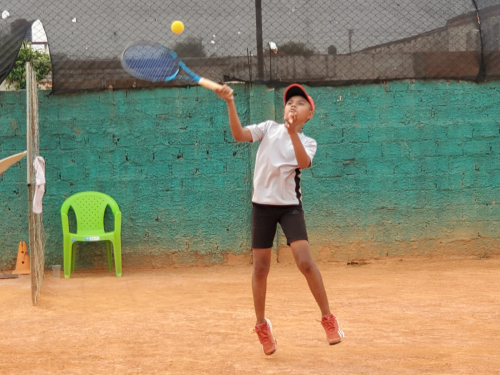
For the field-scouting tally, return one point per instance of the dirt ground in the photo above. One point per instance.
(408, 316)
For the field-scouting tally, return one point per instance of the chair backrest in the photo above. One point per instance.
(89, 208)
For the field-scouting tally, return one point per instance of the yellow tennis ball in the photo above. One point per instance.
(177, 27)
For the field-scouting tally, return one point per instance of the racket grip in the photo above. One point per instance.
(209, 84)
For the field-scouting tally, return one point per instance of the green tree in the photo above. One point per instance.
(191, 47)
(296, 48)
(40, 61)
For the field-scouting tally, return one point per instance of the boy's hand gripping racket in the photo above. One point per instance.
(157, 63)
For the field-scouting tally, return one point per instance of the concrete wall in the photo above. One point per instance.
(406, 168)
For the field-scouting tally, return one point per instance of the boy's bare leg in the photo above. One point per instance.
(306, 265)
(261, 266)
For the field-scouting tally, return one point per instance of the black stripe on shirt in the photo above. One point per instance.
(297, 185)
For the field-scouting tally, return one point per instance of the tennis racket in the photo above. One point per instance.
(156, 63)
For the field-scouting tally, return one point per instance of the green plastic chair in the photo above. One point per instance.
(89, 208)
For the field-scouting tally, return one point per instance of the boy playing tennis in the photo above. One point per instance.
(283, 151)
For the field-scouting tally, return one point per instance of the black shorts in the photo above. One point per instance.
(265, 219)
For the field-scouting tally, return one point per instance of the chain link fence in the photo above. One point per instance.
(326, 42)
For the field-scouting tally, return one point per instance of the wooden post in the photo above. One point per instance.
(36, 231)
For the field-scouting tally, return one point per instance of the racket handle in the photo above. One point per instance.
(209, 84)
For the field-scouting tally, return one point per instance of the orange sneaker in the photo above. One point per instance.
(265, 333)
(334, 334)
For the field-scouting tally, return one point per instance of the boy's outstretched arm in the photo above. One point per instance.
(240, 134)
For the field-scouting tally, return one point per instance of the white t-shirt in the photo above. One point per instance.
(276, 179)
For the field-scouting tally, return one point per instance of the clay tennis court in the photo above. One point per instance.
(400, 316)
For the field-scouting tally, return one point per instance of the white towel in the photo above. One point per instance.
(39, 165)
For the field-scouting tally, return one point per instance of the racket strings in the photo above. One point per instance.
(152, 65)
(165, 68)
(155, 69)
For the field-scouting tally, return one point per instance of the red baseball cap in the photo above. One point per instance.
(296, 89)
